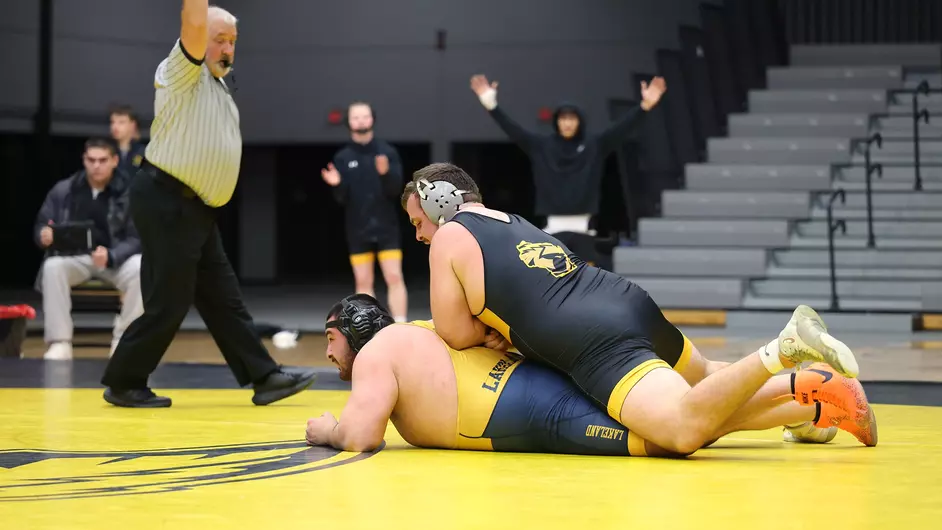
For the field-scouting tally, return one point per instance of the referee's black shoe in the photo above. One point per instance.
(281, 384)
(139, 398)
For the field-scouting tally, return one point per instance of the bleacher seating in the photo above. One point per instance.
(749, 230)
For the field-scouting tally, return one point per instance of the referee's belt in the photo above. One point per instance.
(167, 179)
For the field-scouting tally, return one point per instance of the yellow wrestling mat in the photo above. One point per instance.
(69, 460)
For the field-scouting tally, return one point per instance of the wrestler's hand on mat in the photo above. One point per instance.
(319, 429)
(651, 93)
(495, 341)
(330, 175)
(382, 164)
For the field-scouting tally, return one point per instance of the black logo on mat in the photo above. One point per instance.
(82, 474)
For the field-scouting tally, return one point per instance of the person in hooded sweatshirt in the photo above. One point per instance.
(568, 164)
(366, 176)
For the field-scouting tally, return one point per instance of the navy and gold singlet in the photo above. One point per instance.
(506, 403)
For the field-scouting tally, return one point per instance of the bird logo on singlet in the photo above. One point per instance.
(546, 256)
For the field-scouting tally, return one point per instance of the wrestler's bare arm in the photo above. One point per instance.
(454, 322)
(373, 397)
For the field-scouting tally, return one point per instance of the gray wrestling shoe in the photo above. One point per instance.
(807, 433)
(805, 338)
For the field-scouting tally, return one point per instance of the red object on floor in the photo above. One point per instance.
(17, 311)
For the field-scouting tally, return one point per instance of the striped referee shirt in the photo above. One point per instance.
(195, 134)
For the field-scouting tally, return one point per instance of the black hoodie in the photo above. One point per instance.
(567, 174)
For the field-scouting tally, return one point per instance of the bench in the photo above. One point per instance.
(96, 296)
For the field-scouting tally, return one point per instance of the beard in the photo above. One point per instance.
(224, 66)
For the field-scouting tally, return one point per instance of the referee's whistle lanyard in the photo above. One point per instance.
(229, 90)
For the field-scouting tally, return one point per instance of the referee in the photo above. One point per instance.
(190, 169)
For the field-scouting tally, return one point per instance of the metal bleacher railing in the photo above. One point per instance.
(923, 88)
(917, 114)
(832, 227)
(869, 169)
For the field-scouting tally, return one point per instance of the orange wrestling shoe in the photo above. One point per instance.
(819, 383)
(862, 424)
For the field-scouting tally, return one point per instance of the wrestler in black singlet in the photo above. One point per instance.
(594, 325)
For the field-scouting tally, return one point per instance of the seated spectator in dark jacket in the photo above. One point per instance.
(97, 194)
(125, 131)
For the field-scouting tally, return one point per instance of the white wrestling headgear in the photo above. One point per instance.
(440, 200)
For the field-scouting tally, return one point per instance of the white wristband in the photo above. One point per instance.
(489, 99)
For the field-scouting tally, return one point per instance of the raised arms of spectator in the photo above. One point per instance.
(618, 131)
(487, 94)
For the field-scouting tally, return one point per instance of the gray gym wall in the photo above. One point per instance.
(297, 59)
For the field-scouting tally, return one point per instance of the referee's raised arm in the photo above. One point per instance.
(193, 28)
(181, 69)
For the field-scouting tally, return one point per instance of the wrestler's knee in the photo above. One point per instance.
(709, 443)
(685, 442)
(653, 450)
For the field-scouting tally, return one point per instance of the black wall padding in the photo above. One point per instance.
(744, 56)
(654, 140)
(729, 97)
(861, 21)
(702, 101)
(677, 107)
(656, 166)
(769, 33)
(627, 161)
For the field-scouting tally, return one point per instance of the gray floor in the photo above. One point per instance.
(294, 307)
(890, 354)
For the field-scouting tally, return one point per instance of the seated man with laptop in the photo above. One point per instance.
(86, 230)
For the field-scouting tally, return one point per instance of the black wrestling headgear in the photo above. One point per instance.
(359, 319)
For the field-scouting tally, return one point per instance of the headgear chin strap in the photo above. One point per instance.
(440, 200)
(360, 318)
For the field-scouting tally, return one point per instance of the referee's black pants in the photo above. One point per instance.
(182, 263)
